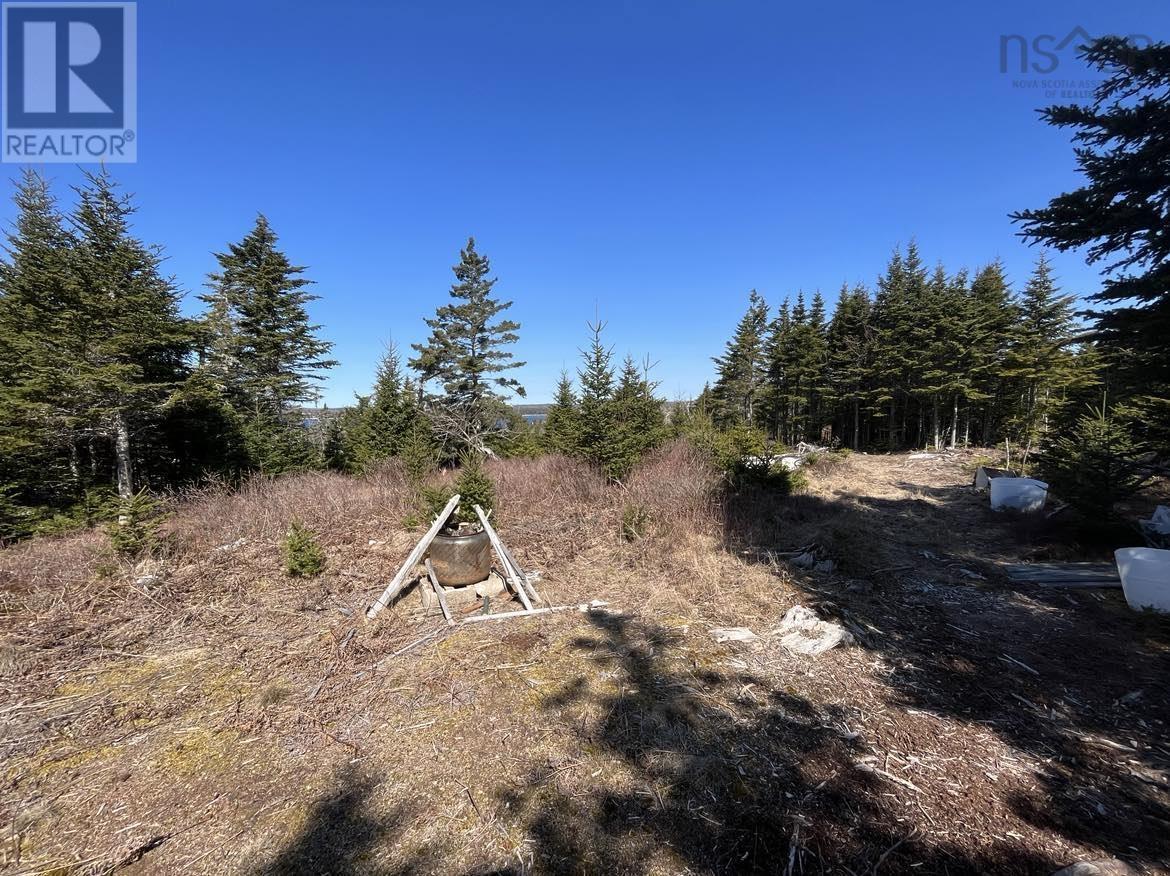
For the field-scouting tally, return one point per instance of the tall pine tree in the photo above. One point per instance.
(260, 343)
(132, 342)
(465, 354)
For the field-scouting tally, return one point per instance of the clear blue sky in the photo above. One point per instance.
(652, 160)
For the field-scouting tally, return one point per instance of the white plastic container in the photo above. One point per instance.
(1018, 494)
(1145, 577)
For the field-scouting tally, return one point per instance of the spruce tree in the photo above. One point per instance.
(1119, 216)
(39, 403)
(562, 431)
(992, 314)
(392, 410)
(847, 359)
(639, 424)
(742, 370)
(133, 343)
(595, 420)
(257, 312)
(1040, 362)
(465, 354)
(260, 343)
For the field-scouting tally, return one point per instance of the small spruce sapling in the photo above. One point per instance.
(303, 557)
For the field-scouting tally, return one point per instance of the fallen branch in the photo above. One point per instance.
(585, 606)
(1019, 664)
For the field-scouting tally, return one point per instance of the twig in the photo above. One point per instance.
(1018, 663)
(891, 850)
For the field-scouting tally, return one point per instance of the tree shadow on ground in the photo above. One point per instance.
(716, 778)
(341, 835)
(1072, 678)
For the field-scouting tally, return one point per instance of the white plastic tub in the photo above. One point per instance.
(1145, 577)
(1018, 494)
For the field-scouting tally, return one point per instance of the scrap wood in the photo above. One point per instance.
(439, 592)
(524, 579)
(415, 555)
(503, 615)
(513, 578)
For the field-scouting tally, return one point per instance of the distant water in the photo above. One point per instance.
(535, 418)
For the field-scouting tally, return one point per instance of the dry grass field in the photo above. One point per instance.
(203, 713)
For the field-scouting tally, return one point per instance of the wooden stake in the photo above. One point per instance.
(520, 572)
(439, 592)
(415, 555)
(508, 570)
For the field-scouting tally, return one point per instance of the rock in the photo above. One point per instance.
(1100, 867)
(803, 632)
(733, 634)
(460, 596)
(146, 580)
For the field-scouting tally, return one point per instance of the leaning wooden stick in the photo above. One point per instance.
(511, 573)
(415, 555)
(520, 572)
(439, 592)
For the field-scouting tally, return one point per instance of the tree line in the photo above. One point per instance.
(106, 389)
(930, 358)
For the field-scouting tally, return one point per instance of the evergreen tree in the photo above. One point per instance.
(259, 342)
(133, 343)
(392, 410)
(639, 424)
(561, 426)
(897, 339)
(992, 314)
(847, 358)
(465, 354)
(1040, 363)
(39, 408)
(742, 370)
(595, 413)
(1120, 216)
(261, 327)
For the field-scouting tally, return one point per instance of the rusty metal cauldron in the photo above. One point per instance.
(460, 560)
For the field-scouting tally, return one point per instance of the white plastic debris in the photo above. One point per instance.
(1160, 522)
(803, 632)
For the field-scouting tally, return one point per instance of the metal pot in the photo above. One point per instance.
(460, 560)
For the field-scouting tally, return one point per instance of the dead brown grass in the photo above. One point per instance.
(202, 712)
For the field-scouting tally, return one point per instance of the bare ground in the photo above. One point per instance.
(205, 714)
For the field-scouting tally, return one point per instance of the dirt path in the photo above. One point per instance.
(263, 729)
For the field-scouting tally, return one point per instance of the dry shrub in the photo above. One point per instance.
(679, 486)
(52, 567)
(333, 505)
(546, 485)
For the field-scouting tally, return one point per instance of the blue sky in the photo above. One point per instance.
(649, 161)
